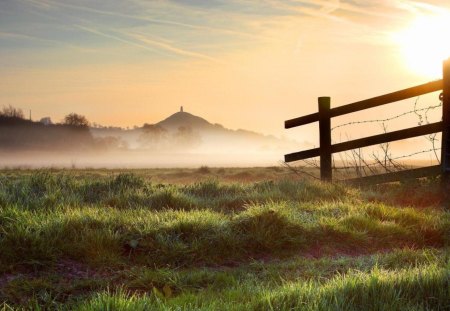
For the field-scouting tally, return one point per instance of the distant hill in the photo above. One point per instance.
(186, 119)
(183, 131)
(180, 140)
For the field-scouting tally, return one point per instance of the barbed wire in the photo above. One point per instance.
(297, 170)
(391, 118)
(356, 160)
(312, 163)
(395, 158)
(431, 137)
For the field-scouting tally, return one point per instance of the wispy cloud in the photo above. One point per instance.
(173, 49)
(40, 4)
(48, 42)
(117, 38)
(22, 36)
(418, 7)
(161, 47)
(52, 4)
(146, 24)
(325, 8)
(328, 7)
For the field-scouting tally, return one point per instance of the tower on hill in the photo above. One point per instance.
(181, 109)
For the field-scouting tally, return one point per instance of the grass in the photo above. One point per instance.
(101, 240)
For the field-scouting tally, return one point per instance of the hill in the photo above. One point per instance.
(180, 140)
(183, 131)
(186, 119)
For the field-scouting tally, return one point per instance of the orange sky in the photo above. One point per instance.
(244, 64)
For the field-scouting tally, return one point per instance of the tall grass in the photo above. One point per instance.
(424, 288)
(48, 190)
(132, 244)
(105, 235)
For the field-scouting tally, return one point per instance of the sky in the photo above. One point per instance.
(241, 63)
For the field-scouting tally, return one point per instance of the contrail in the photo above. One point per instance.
(416, 6)
(160, 45)
(153, 20)
(102, 34)
(173, 49)
(332, 6)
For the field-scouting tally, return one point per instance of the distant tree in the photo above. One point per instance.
(74, 119)
(110, 143)
(11, 112)
(153, 136)
(186, 137)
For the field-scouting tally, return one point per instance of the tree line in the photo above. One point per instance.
(72, 119)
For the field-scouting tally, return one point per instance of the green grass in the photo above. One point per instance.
(82, 240)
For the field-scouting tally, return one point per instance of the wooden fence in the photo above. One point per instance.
(324, 115)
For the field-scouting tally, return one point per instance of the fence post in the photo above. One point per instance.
(325, 138)
(445, 151)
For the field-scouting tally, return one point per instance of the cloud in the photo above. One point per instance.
(160, 47)
(117, 38)
(52, 4)
(325, 8)
(22, 36)
(52, 42)
(418, 7)
(329, 7)
(173, 49)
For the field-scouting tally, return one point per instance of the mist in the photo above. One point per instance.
(134, 159)
(126, 152)
(181, 140)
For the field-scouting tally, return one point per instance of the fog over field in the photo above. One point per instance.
(181, 140)
(134, 159)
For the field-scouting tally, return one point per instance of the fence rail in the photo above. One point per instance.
(324, 115)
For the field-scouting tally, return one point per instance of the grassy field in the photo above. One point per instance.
(219, 239)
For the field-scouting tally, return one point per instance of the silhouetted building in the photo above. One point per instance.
(181, 109)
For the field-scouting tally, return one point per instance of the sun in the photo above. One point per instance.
(425, 43)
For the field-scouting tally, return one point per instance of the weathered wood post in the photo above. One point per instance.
(445, 151)
(325, 138)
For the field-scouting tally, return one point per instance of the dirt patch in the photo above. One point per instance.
(66, 269)
(5, 279)
(70, 269)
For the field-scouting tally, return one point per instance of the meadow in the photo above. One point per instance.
(219, 239)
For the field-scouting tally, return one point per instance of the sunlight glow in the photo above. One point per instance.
(425, 43)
